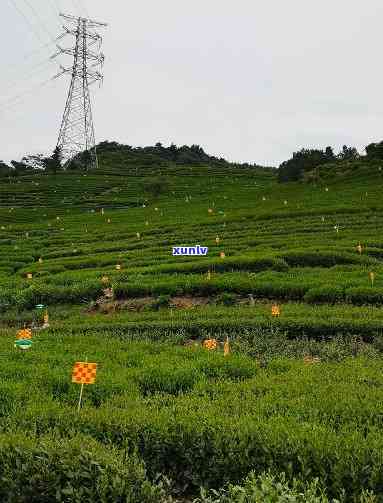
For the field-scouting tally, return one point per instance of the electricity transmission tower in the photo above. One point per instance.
(76, 139)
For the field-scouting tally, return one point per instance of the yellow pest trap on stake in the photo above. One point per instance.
(226, 347)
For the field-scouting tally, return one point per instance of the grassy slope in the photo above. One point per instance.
(279, 240)
(214, 419)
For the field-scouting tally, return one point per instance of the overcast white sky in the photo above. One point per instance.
(249, 80)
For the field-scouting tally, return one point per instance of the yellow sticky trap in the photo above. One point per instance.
(275, 310)
(371, 275)
(29, 275)
(226, 347)
(310, 360)
(118, 267)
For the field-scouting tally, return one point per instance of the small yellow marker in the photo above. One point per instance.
(118, 267)
(226, 347)
(275, 310)
(372, 277)
(29, 275)
(310, 360)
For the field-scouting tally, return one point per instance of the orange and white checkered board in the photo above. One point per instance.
(84, 373)
(24, 333)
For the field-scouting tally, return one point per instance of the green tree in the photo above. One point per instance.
(305, 159)
(348, 153)
(5, 170)
(156, 186)
(54, 162)
(375, 150)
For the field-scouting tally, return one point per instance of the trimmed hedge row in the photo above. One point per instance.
(75, 470)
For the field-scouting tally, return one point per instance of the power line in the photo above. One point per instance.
(39, 19)
(83, 7)
(76, 7)
(55, 9)
(26, 19)
(33, 71)
(57, 5)
(36, 69)
(19, 97)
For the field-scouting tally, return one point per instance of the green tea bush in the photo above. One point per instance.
(51, 294)
(166, 379)
(226, 298)
(216, 366)
(365, 295)
(74, 470)
(325, 294)
(322, 258)
(161, 302)
(276, 489)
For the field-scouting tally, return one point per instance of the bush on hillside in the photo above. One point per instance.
(156, 186)
(79, 469)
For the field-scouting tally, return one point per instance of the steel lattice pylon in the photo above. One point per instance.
(76, 138)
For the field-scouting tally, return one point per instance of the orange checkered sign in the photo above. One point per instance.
(24, 333)
(210, 344)
(84, 373)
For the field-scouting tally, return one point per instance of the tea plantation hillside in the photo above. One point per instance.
(293, 411)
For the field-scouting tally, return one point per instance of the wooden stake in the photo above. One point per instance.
(79, 401)
(81, 390)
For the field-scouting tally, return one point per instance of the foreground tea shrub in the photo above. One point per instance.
(268, 488)
(75, 470)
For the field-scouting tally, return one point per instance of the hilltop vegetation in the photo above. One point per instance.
(123, 157)
(312, 164)
(293, 411)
